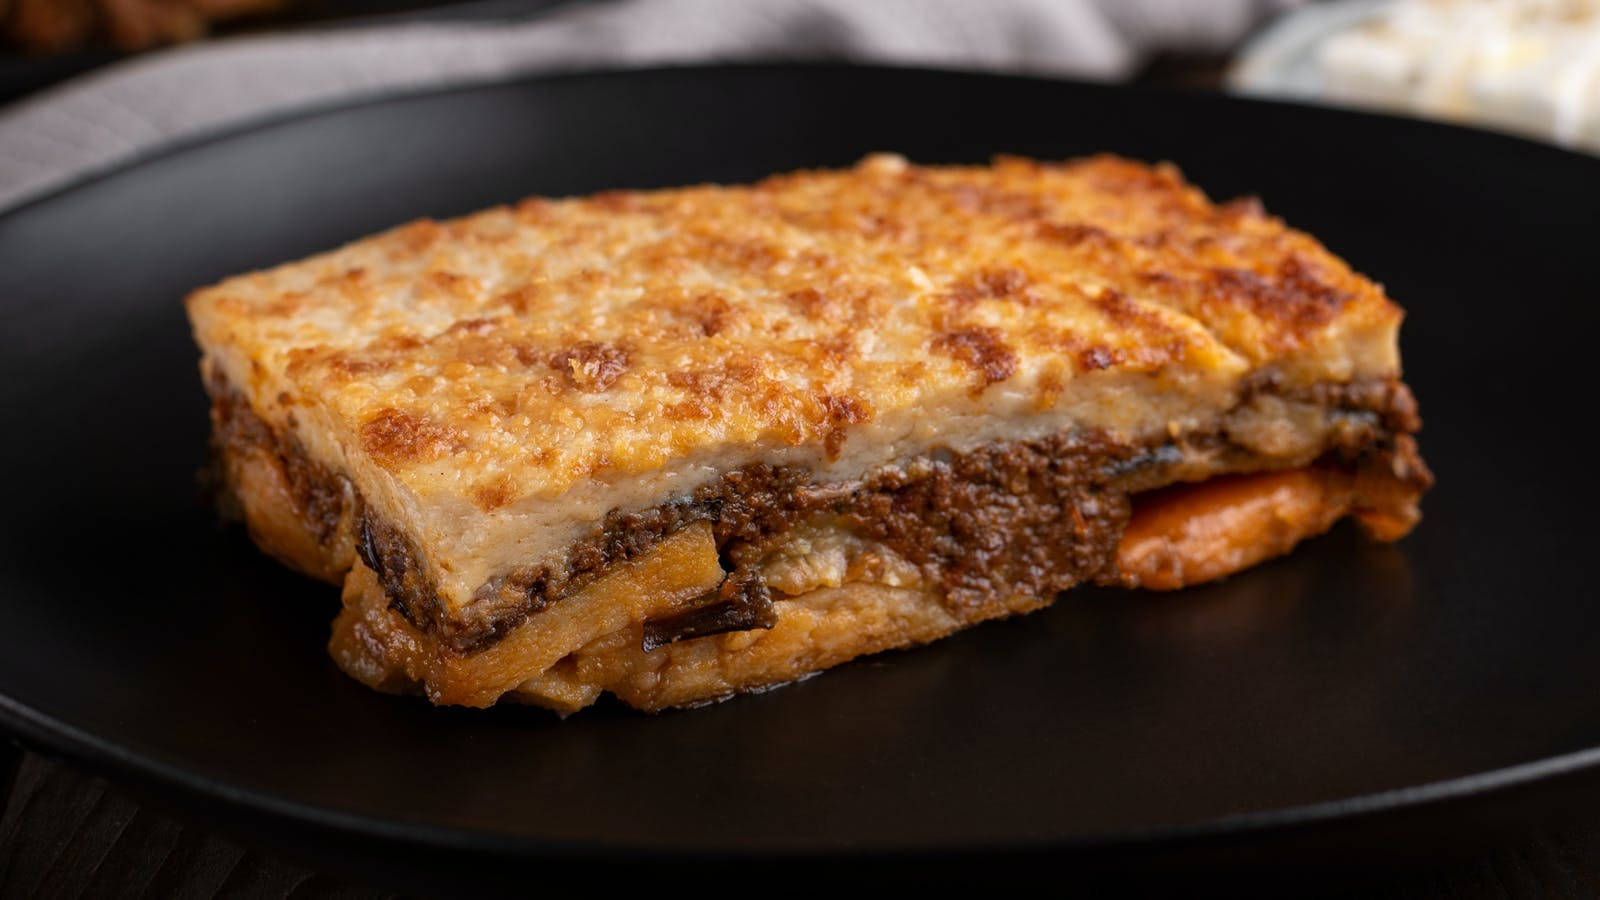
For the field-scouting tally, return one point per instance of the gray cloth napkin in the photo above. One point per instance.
(118, 113)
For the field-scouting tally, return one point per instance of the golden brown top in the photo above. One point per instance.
(521, 351)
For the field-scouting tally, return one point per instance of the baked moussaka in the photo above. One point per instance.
(679, 444)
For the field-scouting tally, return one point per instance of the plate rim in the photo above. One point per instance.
(320, 109)
(52, 734)
(43, 731)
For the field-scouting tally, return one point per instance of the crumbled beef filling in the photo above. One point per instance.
(1007, 518)
(320, 494)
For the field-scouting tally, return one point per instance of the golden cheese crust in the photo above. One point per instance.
(522, 351)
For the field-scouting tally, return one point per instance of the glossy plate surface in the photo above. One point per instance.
(1348, 677)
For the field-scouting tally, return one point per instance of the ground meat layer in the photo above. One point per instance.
(1030, 517)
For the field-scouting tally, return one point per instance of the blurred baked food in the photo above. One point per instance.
(57, 25)
(1527, 66)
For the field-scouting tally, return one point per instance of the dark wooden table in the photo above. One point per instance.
(68, 833)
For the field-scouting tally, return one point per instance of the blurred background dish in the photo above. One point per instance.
(43, 28)
(55, 25)
(46, 42)
(1529, 67)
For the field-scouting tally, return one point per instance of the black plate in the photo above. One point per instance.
(1347, 679)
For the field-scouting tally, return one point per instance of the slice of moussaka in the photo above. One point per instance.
(679, 444)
